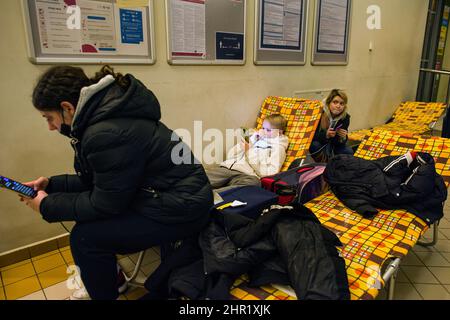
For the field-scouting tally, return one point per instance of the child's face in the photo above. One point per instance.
(337, 105)
(268, 131)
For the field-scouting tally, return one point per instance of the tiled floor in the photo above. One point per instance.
(423, 275)
(46, 277)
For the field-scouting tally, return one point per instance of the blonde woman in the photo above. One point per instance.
(332, 133)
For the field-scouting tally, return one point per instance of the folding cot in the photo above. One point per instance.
(410, 117)
(372, 249)
(302, 120)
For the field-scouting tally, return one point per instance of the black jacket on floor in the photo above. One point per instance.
(394, 182)
(284, 246)
(123, 160)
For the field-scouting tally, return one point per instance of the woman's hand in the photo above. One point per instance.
(36, 201)
(331, 133)
(40, 184)
(342, 133)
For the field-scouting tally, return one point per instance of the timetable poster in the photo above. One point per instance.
(281, 23)
(101, 28)
(332, 30)
(188, 28)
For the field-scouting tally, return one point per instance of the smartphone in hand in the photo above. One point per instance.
(15, 186)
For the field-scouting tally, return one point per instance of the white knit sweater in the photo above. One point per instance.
(264, 158)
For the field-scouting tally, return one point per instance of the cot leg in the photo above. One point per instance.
(434, 239)
(132, 279)
(391, 289)
(432, 125)
(390, 276)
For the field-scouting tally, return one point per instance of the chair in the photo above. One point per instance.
(372, 249)
(410, 117)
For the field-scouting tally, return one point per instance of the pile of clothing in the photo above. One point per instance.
(285, 245)
(407, 182)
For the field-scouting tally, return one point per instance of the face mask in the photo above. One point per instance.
(65, 129)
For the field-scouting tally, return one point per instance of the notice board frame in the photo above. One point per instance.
(36, 56)
(219, 20)
(265, 56)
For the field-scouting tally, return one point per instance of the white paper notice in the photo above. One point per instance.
(281, 24)
(55, 36)
(332, 28)
(188, 28)
(98, 34)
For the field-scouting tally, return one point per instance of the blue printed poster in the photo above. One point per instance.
(229, 46)
(131, 26)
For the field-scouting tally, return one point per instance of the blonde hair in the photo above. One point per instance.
(337, 93)
(277, 121)
(325, 121)
(333, 94)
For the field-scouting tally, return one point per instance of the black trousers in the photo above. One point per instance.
(95, 244)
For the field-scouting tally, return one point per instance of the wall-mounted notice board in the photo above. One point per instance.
(280, 32)
(206, 31)
(331, 34)
(90, 31)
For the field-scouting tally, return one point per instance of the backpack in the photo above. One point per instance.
(297, 185)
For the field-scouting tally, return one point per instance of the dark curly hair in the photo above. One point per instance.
(64, 83)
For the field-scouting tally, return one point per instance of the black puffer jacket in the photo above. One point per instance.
(321, 133)
(292, 242)
(408, 182)
(124, 165)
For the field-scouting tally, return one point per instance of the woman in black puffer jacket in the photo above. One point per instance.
(136, 184)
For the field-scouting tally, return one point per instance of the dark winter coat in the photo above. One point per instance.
(280, 245)
(123, 161)
(392, 182)
(321, 134)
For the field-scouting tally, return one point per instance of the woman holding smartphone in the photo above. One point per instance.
(332, 133)
(128, 193)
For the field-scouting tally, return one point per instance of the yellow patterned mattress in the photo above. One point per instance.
(368, 244)
(359, 134)
(419, 112)
(410, 118)
(302, 119)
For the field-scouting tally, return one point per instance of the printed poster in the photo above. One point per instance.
(229, 46)
(281, 24)
(188, 28)
(55, 36)
(105, 28)
(332, 31)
